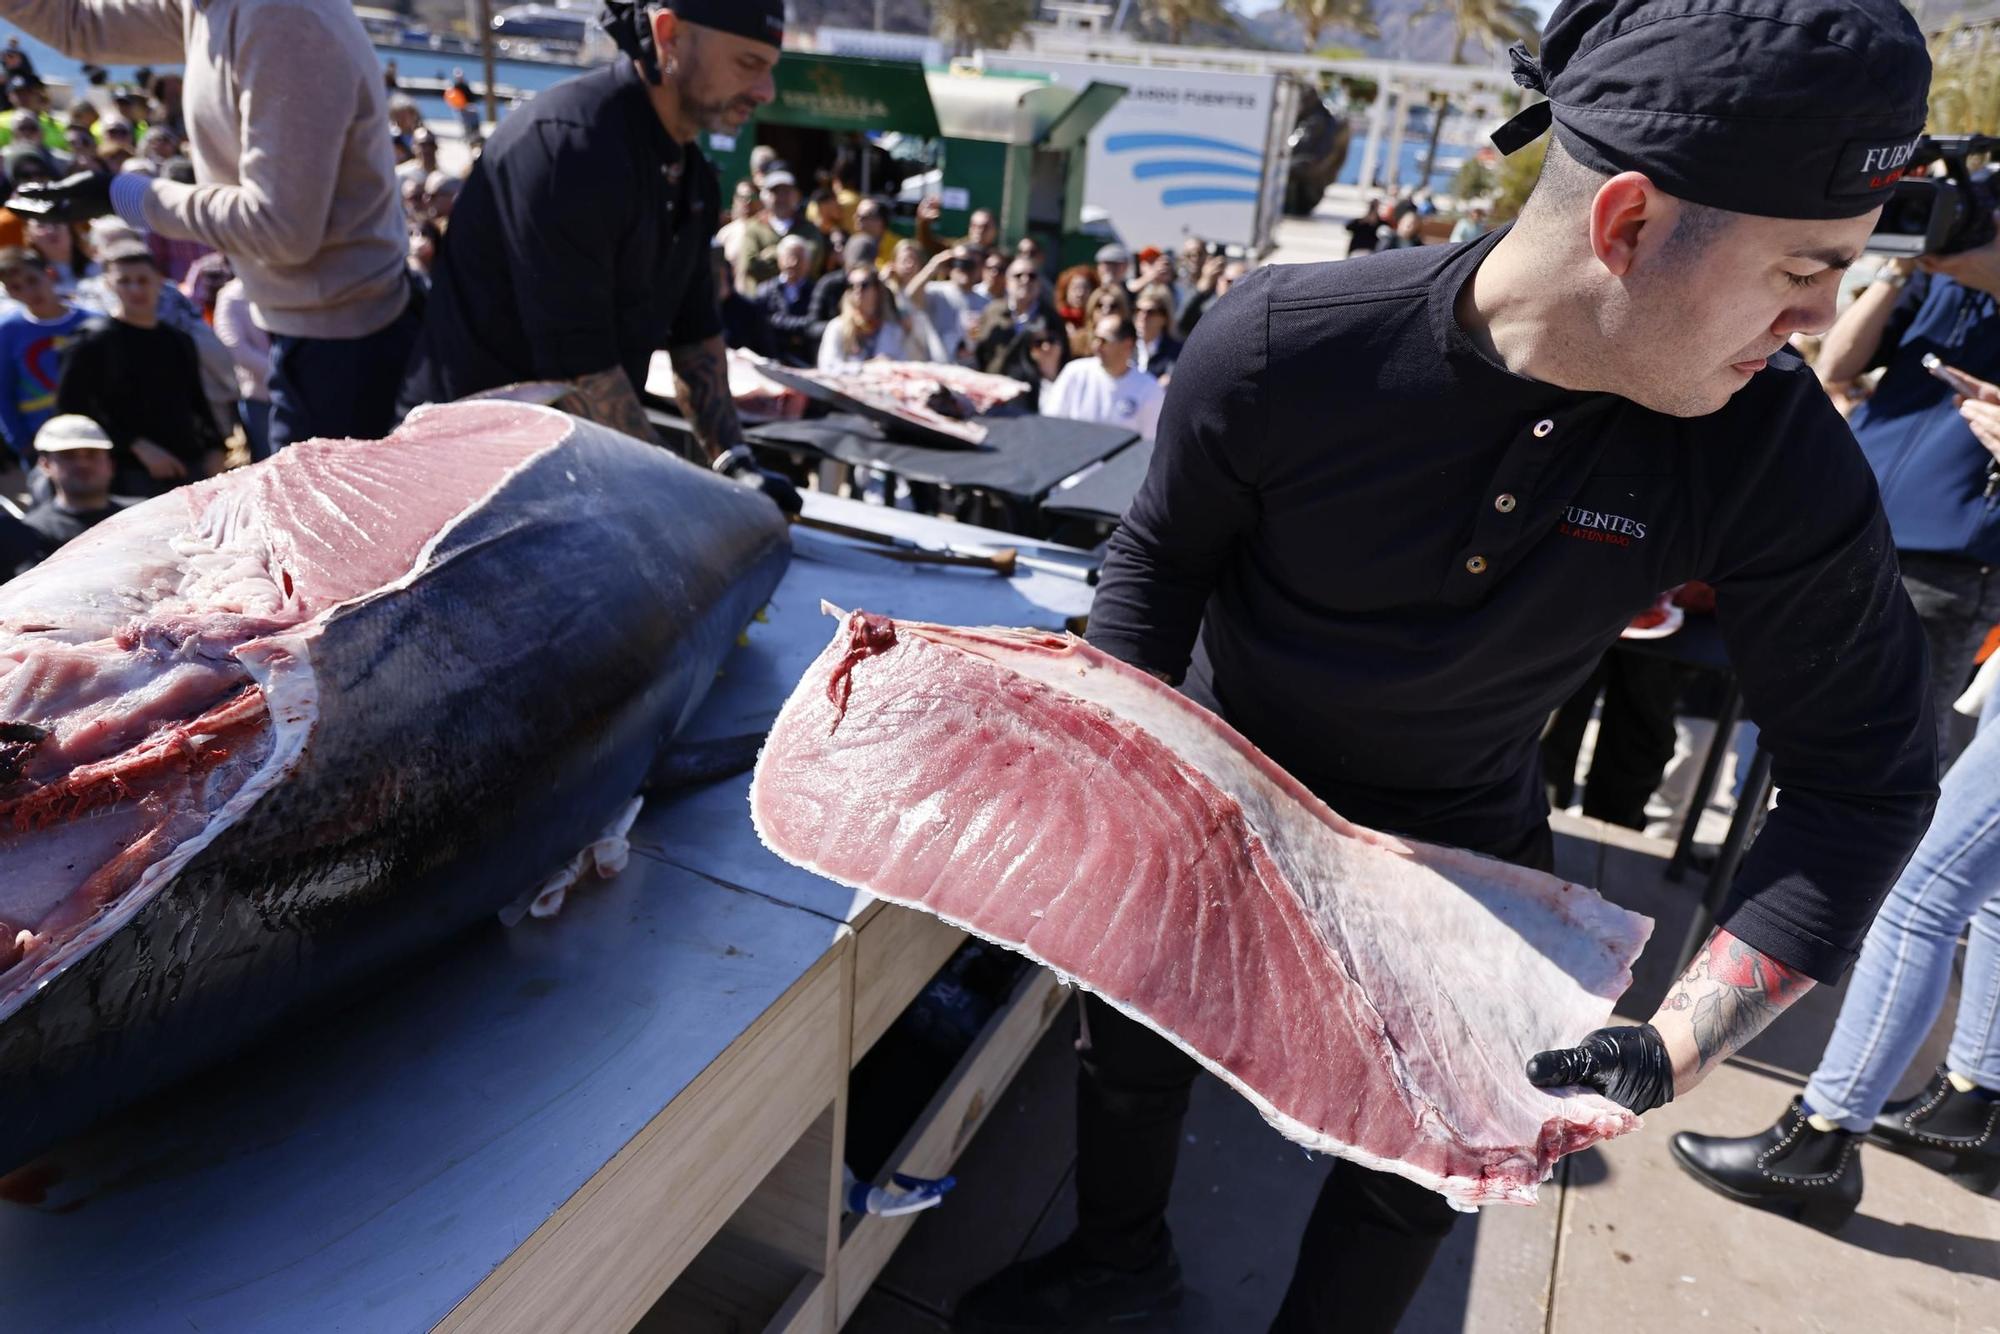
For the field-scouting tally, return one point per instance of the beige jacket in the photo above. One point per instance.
(288, 130)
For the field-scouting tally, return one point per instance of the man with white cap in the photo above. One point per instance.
(780, 219)
(75, 455)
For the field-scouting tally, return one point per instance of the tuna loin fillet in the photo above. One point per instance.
(1375, 999)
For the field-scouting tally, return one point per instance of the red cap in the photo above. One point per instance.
(1150, 253)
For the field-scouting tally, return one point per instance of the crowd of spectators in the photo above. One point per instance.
(137, 350)
(822, 278)
(151, 340)
(1413, 219)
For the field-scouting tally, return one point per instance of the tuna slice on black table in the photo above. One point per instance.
(271, 733)
(1374, 998)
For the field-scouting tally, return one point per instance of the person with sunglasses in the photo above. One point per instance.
(1158, 349)
(955, 301)
(997, 340)
(873, 326)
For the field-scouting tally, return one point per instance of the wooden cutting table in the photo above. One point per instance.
(627, 1116)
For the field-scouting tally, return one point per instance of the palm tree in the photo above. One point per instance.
(1493, 24)
(1965, 83)
(969, 25)
(1317, 16)
(1178, 15)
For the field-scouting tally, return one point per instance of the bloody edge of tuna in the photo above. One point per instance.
(267, 734)
(1374, 997)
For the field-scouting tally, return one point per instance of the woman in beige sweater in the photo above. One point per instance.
(293, 181)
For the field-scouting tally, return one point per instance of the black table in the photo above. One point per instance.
(1020, 464)
(1105, 494)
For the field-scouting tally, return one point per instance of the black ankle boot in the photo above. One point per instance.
(1956, 1133)
(1066, 1292)
(1813, 1176)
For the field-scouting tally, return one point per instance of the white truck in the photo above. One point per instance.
(1184, 153)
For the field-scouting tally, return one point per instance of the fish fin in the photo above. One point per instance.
(690, 764)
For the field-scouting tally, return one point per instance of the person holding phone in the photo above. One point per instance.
(1938, 478)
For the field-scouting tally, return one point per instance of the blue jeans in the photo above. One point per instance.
(340, 388)
(1905, 965)
(256, 415)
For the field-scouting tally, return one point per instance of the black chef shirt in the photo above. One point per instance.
(1389, 558)
(580, 242)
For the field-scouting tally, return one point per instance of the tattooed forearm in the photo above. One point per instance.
(1727, 996)
(609, 398)
(701, 385)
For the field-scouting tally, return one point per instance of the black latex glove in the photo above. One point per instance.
(1628, 1065)
(78, 197)
(740, 465)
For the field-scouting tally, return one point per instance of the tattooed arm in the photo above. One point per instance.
(609, 399)
(701, 386)
(1725, 998)
(1728, 995)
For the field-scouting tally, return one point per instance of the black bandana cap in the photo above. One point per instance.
(1781, 108)
(759, 20)
(628, 23)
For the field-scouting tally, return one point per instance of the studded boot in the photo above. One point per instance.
(1956, 1133)
(1812, 1176)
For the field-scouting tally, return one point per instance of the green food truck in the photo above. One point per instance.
(1010, 142)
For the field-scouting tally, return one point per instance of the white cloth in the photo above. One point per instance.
(892, 343)
(1085, 391)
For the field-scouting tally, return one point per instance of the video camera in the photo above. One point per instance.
(1940, 215)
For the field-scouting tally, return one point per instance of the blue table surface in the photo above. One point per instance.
(367, 1170)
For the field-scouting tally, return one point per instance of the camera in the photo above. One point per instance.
(1940, 215)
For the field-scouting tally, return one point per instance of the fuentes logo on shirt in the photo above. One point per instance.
(1589, 525)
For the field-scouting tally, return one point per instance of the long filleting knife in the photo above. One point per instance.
(1003, 561)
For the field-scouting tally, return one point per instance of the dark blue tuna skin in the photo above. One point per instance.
(475, 731)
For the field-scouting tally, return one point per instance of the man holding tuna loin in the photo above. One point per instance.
(1533, 433)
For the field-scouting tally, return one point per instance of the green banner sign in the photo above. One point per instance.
(849, 93)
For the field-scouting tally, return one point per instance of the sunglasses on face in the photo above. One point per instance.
(1151, 310)
(866, 284)
(1021, 277)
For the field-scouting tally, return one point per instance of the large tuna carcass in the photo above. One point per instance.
(1374, 998)
(267, 734)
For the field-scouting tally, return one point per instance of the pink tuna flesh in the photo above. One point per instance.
(138, 665)
(1375, 999)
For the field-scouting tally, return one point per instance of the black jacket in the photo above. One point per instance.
(791, 317)
(1388, 577)
(746, 326)
(1161, 363)
(579, 243)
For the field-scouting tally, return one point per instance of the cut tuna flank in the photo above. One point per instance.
(1375, 999)
(156, 674)
(269, 736)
